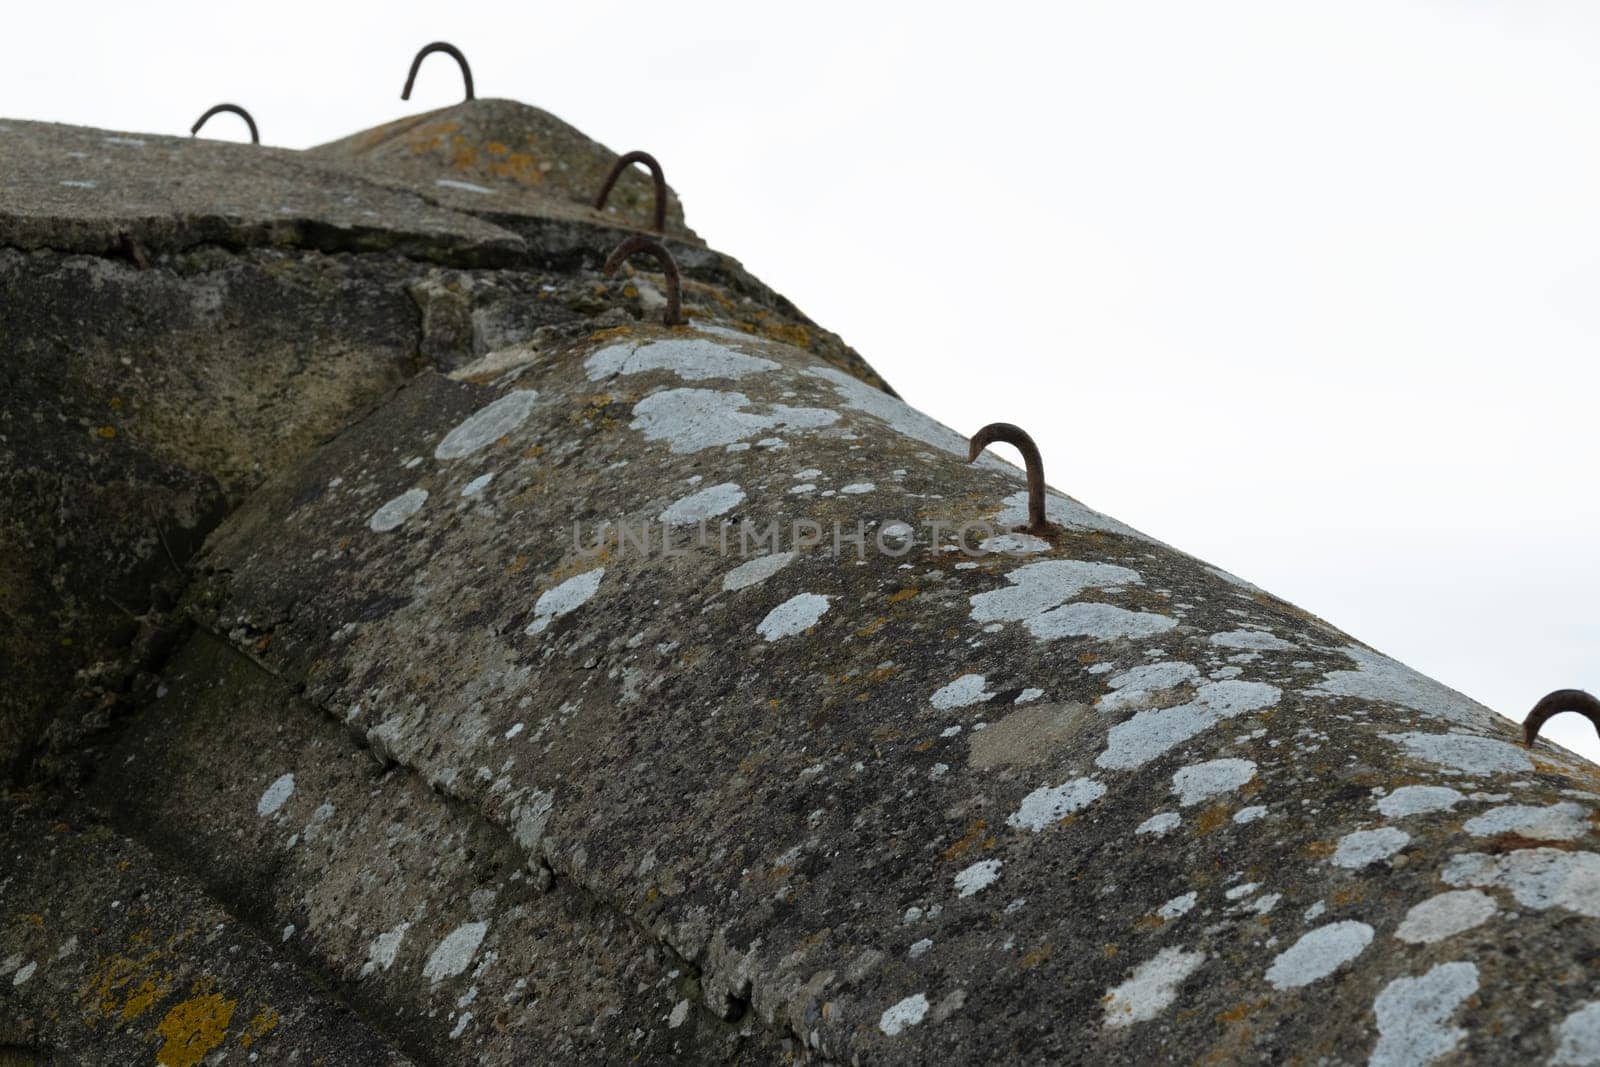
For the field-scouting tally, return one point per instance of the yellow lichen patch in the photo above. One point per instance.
(1318, 850)
(261, 1022)
(903, 594)
(107, 432)
(1211, 820)
(594, 411)
(1037, 956)
(121, 987)
(193, 1028)
(789, 334)
(465, 156)
(522, 167)
(872, 627)
(611, 332)
(972, 838)
(144, 997)
(1239, 1011)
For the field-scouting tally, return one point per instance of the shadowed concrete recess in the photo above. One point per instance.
(416, 653)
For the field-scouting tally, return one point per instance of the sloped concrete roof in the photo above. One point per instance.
(589, 690)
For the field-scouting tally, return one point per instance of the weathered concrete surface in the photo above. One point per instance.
(76, 189)
(506, 795)
(182, 318)
(1095, 802)
(108, 956)
(501, 159)
(426, 916)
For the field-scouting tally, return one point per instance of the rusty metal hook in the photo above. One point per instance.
(1016, 435)
(669, 267)
(623, 163)
(235, 109)
(427, 50)
(1554, 704)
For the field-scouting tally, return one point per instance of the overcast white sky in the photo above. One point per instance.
(1311, 291)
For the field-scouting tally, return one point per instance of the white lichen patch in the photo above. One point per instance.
(1578, 1038)
(1363, 847)
(477, 485)
(1036, 588)
(1140, 685)
(25, 972)
(1014, 544)
(1252, 640)
(1103, 622)
(1537, 878)
(894, 412)
(689, 420)
(708, 503)
(1152, 988)
(1414, 1016)
(1062, 511)
(1178, 906)
(564, 599)
(979, 876)
(1250, 814)
(1159, 824)
(275, 795)
(965, 690)
(384, 948)
(795, 615)
(908, 1012)
(1381, 678)
(692, 359)
(1202, 781)
(1318, 954)
(1264, 904)
(394, 513)
(1149, 734)
(1444, 915)
(487, 425)
(857, 488)
(1466, 753)
(1051, 804)
(453, 955)
(530, 818)
(1561, 821)
(756, 571)
(1419, 800)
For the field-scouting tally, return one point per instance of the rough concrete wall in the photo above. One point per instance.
(183, 318)
(513, 796)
